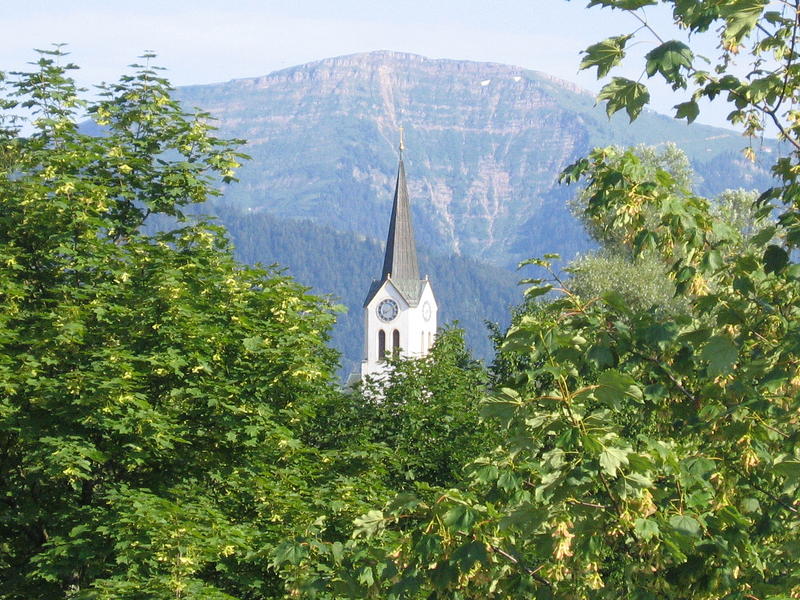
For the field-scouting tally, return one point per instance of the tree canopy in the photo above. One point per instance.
(168, 427)
(641, 457)
(154, 392)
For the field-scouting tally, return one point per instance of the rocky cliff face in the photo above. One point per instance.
(484, 146)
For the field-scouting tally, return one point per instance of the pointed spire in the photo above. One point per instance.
(400, 261)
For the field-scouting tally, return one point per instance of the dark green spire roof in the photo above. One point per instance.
(400, 262)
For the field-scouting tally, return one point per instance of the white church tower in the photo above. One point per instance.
(400, 309)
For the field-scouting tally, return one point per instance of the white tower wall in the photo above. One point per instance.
(417, 333)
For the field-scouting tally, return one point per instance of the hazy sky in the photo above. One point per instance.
(204, 41)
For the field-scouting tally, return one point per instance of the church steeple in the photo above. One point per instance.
(400, 260)
(400, 311)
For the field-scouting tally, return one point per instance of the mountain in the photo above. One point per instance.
(484, 145)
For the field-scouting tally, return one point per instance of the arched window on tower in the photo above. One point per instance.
(396, 342)
(381, 344)
(430, 340)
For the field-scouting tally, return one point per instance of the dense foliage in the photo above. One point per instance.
(169, 422)
(642, 456)
(153, 391)
(168, 427)
(642, 277)
(427, 412)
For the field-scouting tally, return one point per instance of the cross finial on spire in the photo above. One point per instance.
(402, 146)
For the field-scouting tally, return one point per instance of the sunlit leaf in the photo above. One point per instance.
(611, 459)
(605, 55)
(625, 94)
(721, 354)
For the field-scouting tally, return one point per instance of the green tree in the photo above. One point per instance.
(153, 392)
(667, 166)
(642, 277)
(419, 426)
(426, 411)
(643, 458)
(420, 420)
(740, 210)
(643, 281)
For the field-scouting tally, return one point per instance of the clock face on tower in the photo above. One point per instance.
(426, 311)
(387, 310)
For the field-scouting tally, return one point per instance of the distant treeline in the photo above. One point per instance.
(342, 265)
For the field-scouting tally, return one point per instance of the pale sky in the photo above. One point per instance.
(205, 41)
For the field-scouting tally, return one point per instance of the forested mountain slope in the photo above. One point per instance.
(343, 266)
